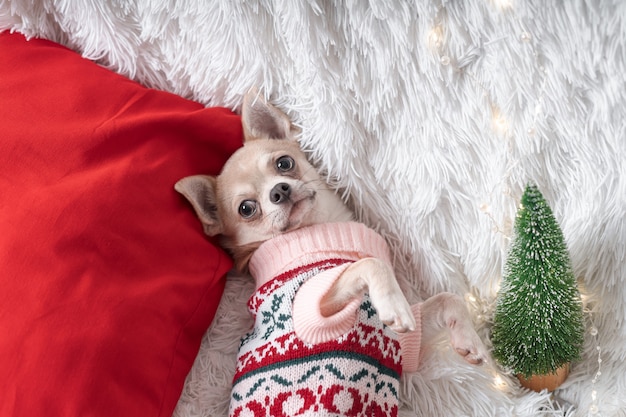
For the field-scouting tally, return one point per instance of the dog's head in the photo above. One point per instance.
(266, 188)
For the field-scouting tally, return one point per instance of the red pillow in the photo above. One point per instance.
(107, 283)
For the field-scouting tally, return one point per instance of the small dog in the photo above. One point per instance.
(330, 317)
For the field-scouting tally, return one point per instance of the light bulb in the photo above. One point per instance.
(499, 124)
(503, 4)
(435, 37)
(499, 382)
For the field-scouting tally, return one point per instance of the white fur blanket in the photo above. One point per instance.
(430, 116)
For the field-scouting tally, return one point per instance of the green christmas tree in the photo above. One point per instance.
(538, 322)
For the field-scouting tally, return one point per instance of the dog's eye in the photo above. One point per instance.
(285, 163)
(247, 208)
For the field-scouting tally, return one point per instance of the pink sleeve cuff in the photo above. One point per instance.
(411, 343)
(309, 323)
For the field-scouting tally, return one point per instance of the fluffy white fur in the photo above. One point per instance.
(430, 117)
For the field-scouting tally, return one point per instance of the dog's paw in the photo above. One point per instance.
(395, 312)
(467, 343)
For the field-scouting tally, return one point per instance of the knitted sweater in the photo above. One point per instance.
(296, 361)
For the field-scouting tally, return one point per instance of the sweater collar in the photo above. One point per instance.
(346, 240)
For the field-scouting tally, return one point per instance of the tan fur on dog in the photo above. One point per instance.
(268, 187)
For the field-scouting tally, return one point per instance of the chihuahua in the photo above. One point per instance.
(326, 291)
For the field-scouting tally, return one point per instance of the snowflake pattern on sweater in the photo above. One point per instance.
(280, 374)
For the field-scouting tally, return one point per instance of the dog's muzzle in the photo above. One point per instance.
(280, 193)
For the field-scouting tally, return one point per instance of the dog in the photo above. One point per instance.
(333, 330)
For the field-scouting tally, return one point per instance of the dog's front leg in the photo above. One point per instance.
(448, 311)
(377, 278)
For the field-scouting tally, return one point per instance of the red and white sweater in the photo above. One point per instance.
(296, 362)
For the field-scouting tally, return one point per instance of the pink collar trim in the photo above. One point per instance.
(347, 240)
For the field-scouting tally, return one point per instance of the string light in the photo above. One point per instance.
(501, 126)
(499, 382)
(593, 331)
(482, 309)
(435, 37)
(503, 5)
(499, 123)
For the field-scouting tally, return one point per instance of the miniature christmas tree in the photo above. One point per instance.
(538, 322)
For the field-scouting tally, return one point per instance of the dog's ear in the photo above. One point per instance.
(200, 191)
(261, 120)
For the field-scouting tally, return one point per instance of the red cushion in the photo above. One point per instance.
(107, 283)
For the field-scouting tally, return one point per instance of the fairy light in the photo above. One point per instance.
(499, 383)
(593, 331)
(503, 5)
(435, 37)
(481, 308)
(501, 126)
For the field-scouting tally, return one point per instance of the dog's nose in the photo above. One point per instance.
(280, 193)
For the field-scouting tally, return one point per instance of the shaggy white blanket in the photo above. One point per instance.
(430, 116)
